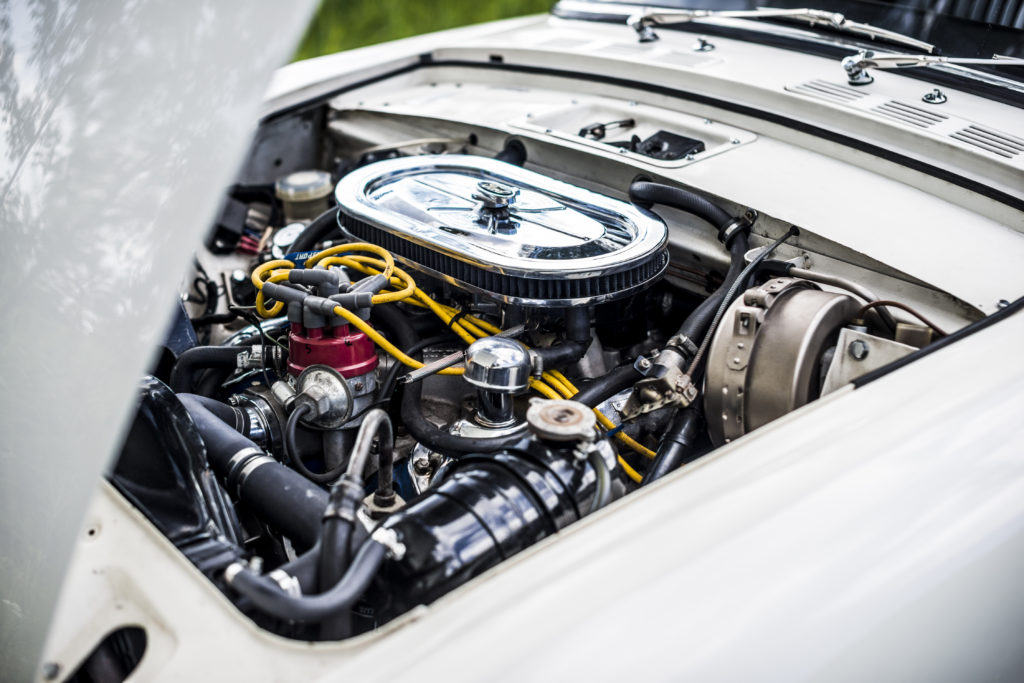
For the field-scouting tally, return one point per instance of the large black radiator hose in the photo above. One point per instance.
(488, 508)
(282, 497)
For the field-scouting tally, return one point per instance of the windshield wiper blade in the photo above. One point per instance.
(644, 22)
(856, 66)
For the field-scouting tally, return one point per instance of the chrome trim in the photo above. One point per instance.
(642, 22)
(525, 301)
(581, 10)
(561, 230)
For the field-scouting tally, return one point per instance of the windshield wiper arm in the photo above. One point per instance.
(856, 66)
(644, 22)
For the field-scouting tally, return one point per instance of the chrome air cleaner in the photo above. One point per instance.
(503, 231)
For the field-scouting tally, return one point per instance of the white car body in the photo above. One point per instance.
(876, 534)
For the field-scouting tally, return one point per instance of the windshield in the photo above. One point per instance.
(960, 28)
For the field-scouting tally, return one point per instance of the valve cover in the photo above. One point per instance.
(497, 229)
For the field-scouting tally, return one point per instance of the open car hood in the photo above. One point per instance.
(121, 123)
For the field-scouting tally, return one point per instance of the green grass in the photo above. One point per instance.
(345, 24)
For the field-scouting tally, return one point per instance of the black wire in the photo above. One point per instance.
(296, 458)
(257, 322)
(734, 290)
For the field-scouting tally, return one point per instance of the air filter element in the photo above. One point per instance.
(497, 229)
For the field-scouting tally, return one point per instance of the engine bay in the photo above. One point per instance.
(408, 351)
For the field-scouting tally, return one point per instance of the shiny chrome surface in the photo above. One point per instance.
(643, 22)
(498, 368)
(553, 229)
(856, 65)
(498, 364)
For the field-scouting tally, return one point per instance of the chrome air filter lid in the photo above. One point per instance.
(501, 230)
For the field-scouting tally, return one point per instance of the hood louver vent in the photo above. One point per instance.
(993, 141)
(907, 113)
(829, 92)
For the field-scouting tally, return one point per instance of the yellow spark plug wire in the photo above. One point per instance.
(469, 328)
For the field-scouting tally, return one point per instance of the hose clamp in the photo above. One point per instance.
(684, 344)
(251, 466)
(233, 570)
(238, 460)
(735, 226)
(288, 583)
(389, 539)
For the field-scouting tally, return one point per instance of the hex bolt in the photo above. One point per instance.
(644, 363)
(858, 349)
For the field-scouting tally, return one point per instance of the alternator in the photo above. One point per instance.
(765, 359)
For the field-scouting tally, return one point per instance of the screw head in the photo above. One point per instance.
(858, 349)
(936, 96)
(644, 363)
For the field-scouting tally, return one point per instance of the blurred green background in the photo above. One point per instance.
(345, 24)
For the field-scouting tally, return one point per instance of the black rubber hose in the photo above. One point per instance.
(676, 197)
(304, 568)
(334, 555)
(432, 436)
(677, 448)
(268, 597)
(281, 497)
(603, 493)
(333, 561)
(603, 388)
(231, 416)
(291, 447)
(317, 231)
(563, 355)
(644, 192)
(199, 358)
(696, 324)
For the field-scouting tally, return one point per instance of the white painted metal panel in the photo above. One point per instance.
(119, 121)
